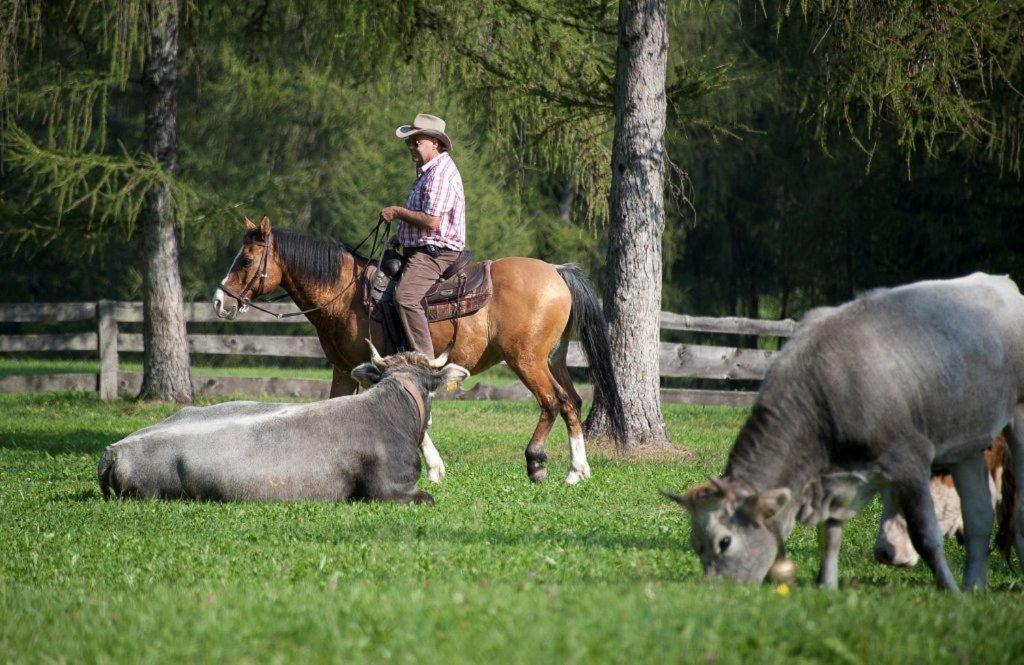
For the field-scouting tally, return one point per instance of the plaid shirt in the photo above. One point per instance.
(437, 192)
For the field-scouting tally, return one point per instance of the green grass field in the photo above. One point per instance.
(499, 570)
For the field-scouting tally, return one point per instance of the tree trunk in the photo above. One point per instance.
(632, 293)
(166, 359)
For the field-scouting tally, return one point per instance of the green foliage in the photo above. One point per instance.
(288, 109)
(57, 109)
(500, 569)
(782, 226)
(942, 73)
(104, 186)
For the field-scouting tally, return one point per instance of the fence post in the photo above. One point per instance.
(107, 348)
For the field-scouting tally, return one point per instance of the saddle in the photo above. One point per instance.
(462, 289)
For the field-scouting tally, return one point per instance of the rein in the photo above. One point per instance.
(261, 273)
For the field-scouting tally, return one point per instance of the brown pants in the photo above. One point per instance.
(421, 271)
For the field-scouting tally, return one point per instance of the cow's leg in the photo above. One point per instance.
(571, 404)
(435, 465)
(971, 480)
(536, 375)
(415, 496)
(915, 500)
(892, 545)
(1016, 441)
(830, 537)
(342, 382)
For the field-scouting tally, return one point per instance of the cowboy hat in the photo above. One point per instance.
(426, 125)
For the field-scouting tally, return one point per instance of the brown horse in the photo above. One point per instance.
(527, 323)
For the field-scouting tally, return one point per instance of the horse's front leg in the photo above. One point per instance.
(342, 382)
(435, 465)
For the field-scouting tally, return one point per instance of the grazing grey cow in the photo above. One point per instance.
(872, 395)
(363, 446)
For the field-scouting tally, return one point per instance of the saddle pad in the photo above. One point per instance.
(442, 300)
(473, 282)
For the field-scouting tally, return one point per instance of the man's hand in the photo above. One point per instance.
(390, 213)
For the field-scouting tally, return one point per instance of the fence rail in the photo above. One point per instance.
(694, 361)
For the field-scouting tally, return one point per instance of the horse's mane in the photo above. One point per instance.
(311, 259)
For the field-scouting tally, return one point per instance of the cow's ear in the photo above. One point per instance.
(366, 374)
(678, 498)
(452, 376)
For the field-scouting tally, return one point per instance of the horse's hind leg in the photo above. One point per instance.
(571, 409)
(560, 370)
(536, 375)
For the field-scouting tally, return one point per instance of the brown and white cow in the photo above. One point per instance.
(893, 546)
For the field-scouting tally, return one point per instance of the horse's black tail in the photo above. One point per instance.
(105, 467)
(590, 326)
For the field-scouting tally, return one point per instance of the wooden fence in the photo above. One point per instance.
(694, 361)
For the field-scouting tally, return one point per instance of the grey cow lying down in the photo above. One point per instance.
(867, 396)
(363, 446)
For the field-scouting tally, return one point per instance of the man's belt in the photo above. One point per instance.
(433, 250)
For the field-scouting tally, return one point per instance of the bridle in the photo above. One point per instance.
(244, 302)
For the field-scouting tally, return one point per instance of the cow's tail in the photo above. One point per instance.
(1006, 511)
(106, 468)
(591, 328)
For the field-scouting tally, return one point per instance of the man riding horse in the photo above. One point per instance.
(524, 314)
(432, 230)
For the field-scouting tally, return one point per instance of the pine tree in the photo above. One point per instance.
(75, 167)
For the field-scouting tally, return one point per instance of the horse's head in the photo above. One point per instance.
(254, 272)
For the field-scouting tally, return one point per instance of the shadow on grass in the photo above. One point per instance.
(81, 496)
(80, 443)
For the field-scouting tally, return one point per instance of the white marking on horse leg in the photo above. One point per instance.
(435, 465)
(971, 479)
(579, 469)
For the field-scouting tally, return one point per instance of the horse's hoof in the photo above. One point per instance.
(539, 476)
(436, 474)
(576, 475)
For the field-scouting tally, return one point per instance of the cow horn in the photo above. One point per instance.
(374, 355)
(441, 360)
